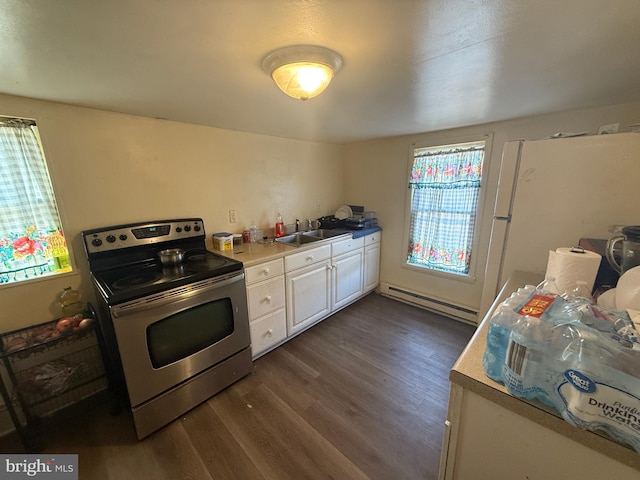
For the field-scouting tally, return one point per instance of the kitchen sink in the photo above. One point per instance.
(323, 233)
(298, 239)
(304, 238)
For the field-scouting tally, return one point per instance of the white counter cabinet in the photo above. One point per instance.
(266, 304)
(347, 257)
(371, 273)
(492, 434)
(291, 289)
(308, 287)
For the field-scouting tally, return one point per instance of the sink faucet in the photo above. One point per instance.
(297, 225)
(309, 225)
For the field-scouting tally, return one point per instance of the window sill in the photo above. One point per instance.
(40, 278)
(449, 276)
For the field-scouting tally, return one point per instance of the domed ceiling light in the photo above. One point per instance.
(302, 71)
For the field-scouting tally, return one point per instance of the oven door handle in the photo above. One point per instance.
(179, 293)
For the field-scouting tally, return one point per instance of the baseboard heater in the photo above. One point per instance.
(439, 306)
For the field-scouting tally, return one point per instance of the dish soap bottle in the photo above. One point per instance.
(279, 226)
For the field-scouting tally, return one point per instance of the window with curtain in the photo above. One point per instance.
(32, 243)
(445, 187)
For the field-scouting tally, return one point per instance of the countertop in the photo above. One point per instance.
(467, 372)
(253, 253)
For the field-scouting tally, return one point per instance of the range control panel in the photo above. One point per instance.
(140, 234)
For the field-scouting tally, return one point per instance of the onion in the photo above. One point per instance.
(64, 324)
(85, 323)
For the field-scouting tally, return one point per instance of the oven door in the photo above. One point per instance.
(167, 338)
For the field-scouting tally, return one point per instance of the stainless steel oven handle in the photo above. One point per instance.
(175, 294)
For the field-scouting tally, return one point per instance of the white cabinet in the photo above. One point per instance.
(371, 261)
(346, 271)
(494, 435)
(288, 295)
(308, 287)
(485, 440)
(266, 304)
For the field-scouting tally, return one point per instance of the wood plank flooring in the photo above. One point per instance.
(362, 395)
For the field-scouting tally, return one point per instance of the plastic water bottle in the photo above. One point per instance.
(580, 293)
(499, 331)
(253, 233)
(526, 370)
(548, 286)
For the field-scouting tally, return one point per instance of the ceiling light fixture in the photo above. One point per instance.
(302, 71)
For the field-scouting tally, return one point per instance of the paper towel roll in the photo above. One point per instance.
(568, 266)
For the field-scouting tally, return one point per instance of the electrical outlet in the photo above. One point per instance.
(233, 218)
(611, 128)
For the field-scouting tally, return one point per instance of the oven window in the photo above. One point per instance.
(185, 333)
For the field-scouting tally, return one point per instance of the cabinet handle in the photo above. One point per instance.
(268, 298)
(270, 332)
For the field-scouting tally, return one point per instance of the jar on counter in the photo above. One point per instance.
(71, 302)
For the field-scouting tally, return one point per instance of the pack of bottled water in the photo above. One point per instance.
(571, 354)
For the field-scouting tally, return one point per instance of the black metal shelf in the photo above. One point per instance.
(47, 372)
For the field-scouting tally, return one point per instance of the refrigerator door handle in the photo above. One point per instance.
(502, 217)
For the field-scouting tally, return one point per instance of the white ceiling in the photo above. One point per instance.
(409, 65)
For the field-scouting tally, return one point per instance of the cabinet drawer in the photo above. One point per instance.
(264, 271)
(265, 297)
(307, 257)
(344, 246)
(268, 331)
(372, 239)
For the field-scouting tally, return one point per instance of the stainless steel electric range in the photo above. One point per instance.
(176, 333)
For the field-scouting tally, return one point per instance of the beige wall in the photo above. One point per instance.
(110, 168)
(376, 174)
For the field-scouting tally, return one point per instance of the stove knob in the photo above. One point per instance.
(196, 228)
(111, 238)
(187, 228)
(178, 229)
(123, 237)
(96, 242)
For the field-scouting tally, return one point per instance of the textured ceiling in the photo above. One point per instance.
(409, 66)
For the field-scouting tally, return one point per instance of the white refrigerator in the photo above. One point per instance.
(553, 192)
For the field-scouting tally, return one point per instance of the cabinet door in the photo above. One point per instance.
(308, 296)
(267, 332)
(347, 278)
(371, 267)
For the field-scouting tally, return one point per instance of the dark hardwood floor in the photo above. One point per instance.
(362, 395)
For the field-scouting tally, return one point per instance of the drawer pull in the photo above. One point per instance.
(310, 257)
(270, 332)
(266, 271)
(267, 299)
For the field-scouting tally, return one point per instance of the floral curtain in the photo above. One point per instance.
(31, 238)
(445, 187)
